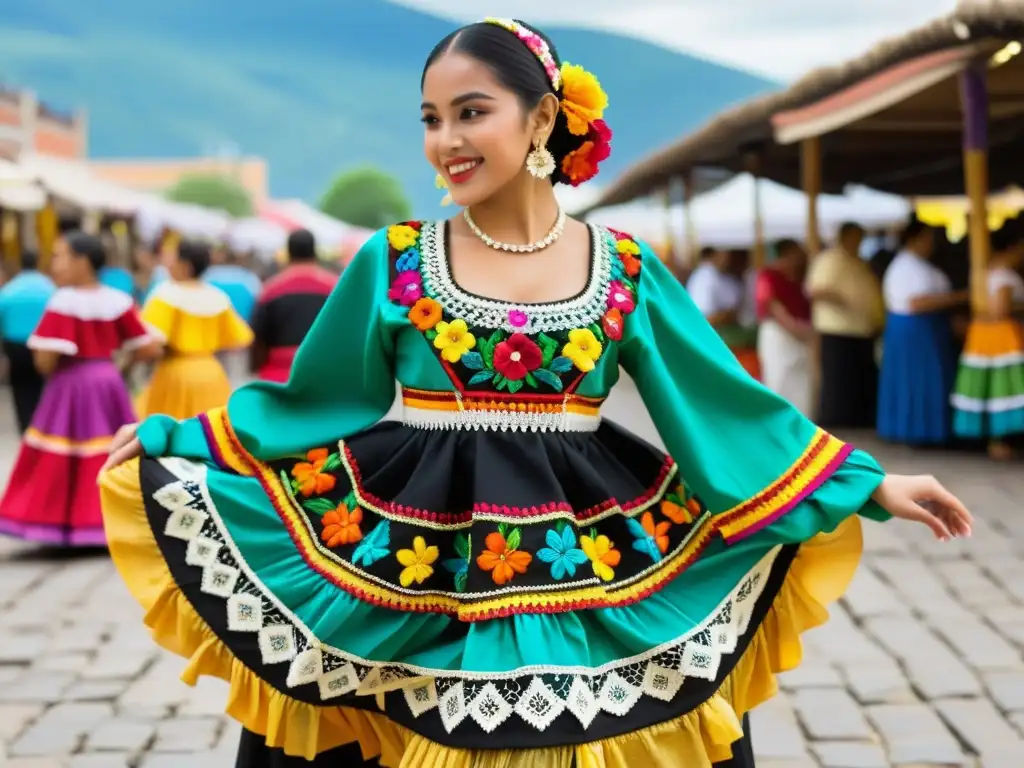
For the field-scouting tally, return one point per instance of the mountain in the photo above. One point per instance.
(313, 86)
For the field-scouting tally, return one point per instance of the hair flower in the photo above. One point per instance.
(583, 99)
(581, 165)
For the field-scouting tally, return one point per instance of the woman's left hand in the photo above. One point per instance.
(923, 499)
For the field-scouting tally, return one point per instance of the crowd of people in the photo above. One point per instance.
(79, 337)
(878, 333)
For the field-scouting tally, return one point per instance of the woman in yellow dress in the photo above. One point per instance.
(196, 321)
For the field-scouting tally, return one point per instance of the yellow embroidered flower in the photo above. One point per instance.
(583, 349)
(418, 562)
(402, 236)
(453, 339)
(602, 554)
(627, 246)
(583, 100)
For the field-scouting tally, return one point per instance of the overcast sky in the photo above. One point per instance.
(778, 38)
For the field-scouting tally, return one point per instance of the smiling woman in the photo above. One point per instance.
(503, 578)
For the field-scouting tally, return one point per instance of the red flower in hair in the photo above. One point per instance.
(580, 165)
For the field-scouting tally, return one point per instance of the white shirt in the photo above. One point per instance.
(1003, 277)
(910, 277)
(714, 292)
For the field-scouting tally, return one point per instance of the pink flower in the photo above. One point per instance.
(517, 318)
(620, 297)
(517, 356)
(601, 135)
(407, 288)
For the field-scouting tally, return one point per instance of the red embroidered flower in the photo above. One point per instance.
(612, 324)
(517, 356)
(620, 297)
(407, 288)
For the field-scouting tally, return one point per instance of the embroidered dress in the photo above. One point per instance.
(502, 570)
(988, 401)
(197, 320)
(51, 495)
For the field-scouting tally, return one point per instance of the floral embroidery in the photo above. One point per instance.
(341, 526)
(408, 261)
(425, 314)
(620, 297)
(418, 562)
(611, 324)
(515, 357)
(680, 506)
(402, 236)
(312, 476)
(651, 538)
(583, 349)
(376, 546)
(561, 551)
(459, 566)
(601, 552)
(497, 362)
(502, 558)
(629, 255)
(453, 339)
(517, 318)
(406, 289)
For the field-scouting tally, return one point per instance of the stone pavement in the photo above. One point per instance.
(920, 665)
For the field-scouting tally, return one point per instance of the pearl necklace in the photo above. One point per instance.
(548, 239)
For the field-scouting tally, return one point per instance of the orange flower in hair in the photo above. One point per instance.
(581, 164)
(583, 99)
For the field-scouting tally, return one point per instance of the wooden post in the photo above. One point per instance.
(974, 99)
(670, 248)
(810, 167)
(752, 163)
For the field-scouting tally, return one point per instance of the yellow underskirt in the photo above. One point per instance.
(819, 575)
(185, 386)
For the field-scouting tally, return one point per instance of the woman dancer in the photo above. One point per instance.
(502, 578)
(51, 496)
(197, 320)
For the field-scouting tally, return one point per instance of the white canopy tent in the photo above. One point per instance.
(18, 189)
(74, 182)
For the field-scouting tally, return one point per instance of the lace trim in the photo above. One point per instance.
(504, 421)
(579, 312)
(537, 695)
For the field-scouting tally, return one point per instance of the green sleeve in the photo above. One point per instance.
(744, 450)
(163, 436)
(342, 380)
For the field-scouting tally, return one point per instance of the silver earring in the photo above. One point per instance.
(540, 162)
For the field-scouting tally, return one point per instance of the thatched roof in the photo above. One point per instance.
(722, 141)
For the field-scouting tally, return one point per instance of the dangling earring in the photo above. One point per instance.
(440, 183)
(540, 162)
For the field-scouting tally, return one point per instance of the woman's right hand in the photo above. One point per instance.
(125, 446)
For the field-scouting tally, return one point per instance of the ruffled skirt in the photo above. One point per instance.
(185, 386)
(988, 400)
(458, 598)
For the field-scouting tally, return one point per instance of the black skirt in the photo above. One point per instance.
(849, 382)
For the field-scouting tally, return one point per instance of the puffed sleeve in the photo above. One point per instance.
(749, 455)
(342, 380)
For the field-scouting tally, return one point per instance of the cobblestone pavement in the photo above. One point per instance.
(919, 666)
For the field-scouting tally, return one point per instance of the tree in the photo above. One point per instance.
(212, 190)
(366, 197)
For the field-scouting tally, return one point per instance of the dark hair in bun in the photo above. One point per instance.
(87, 246)
(519, 70)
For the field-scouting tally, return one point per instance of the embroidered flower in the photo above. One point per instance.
(402, 236)
(311, 476)
(612, 324)
(501, 558)
(583, 99)
(620, 297)
(517, 318)
(425, 313)
(407, 288)
(342, 526)
(516, 356)
(677, 513)
(408, 261)
(459, 566)
(561, 551)
(602, 554)
(453, 339)
(628, 255)
(375, 546)
(650, 539)
(583, 349)
(418, 562)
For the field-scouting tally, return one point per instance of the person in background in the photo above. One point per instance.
(919, 359)
(988, 398)
(287, 307)
(196, 321)
(241, 285)
(718, 294)
(22, 304)
(785, 333)
(705, 263)
(847, 313)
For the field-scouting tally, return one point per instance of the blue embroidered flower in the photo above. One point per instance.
(408, 261)
(459, 566)
(374, 546)
(650, 538)
(561, 551)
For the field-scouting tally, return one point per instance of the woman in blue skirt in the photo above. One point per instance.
(919, 359)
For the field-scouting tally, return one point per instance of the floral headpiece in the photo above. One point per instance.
(583, 103)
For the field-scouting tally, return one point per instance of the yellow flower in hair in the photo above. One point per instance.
(583, 99)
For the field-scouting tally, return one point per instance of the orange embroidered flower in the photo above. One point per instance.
(677, 513)
(502, 561)
(342, 526)
(659, 532)
(630, 263)
(310, 475)
(425, 313)
(693, 505)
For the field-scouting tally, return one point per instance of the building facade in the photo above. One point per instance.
(29, 126)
